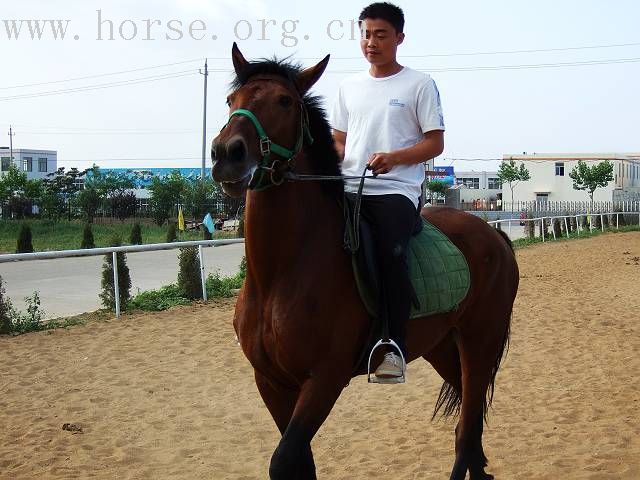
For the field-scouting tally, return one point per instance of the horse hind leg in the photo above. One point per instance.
(478, 372)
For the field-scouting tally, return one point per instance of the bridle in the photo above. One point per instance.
(268, 172)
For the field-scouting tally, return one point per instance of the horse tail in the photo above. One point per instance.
(448, 401)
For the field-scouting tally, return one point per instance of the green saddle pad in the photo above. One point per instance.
(438, 270)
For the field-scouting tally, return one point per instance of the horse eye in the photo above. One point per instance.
(228, 103)
(285, 101)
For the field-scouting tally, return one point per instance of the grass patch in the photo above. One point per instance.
(48, 235)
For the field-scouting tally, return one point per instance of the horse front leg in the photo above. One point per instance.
(293, 459)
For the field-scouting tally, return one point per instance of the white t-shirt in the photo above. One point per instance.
(382, 115)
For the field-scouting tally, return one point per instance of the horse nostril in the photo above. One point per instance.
(236, 150)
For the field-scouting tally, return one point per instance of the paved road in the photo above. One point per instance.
(70, 286)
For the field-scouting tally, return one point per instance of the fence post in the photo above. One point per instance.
(566, 226)
(601, 222)
(542, 229)
(553, 228)
(617, 221)
(202, 279)
(116, 287)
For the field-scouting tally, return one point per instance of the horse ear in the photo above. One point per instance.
(239, 62)
(307, 78)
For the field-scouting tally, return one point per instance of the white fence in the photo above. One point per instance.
(89, 252)
(565, 220)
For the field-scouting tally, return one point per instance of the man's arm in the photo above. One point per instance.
(339, 140)
(431, 145)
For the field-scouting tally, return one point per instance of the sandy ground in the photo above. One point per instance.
(170, 395)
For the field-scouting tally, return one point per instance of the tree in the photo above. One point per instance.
(87, 237)
(510, 174)
(124, 279)
(436, 187)
(172, 234)
(89, 201)
(59, 189)
(24, 244)
(189, 274)
(590, 178)
(136, 235)
(123, 204)
(166, 193)
(12, 187)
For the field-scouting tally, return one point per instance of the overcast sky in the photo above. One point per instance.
(495, 101)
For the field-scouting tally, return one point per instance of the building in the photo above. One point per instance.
(479, 187)
(550, 179)
(36, 164)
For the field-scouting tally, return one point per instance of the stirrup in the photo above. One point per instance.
(373, 378)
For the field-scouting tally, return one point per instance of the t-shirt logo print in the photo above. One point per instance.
(394, 102)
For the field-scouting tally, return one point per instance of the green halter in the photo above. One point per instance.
(266, 175)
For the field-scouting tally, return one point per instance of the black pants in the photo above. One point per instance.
(392, 219)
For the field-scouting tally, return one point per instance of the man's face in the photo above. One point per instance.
(379, 41)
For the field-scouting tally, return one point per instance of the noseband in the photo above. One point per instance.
(269, 173)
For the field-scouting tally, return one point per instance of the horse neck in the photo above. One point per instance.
(283, 223)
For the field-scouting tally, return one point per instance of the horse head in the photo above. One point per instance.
(267, 125)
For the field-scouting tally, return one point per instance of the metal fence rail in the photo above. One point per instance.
(564, 218)
(90, 252)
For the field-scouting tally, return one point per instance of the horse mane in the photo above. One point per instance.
(322, 153)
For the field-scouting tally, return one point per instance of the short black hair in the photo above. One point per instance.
(384, 11)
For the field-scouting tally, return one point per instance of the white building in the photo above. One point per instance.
(35, 163)
(479, 186)
(550, 179)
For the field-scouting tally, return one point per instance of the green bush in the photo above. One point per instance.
(189, 274)
(218, 286)
(157, 300)
(107, 295)
(243, 268)
(87, 237)
(136, 235)
(557, 229)
(24, 244)
(530, 226)
(32, 320)
(172, 234)
(6, 310)
(241, 226)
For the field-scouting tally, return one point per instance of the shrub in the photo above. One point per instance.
(124, 279)
(597, 223)
(136, 235)
(172, 234)
(243, 268)
(6, 310)
(622, 222)
(24, 244)
(241, 226)
(87, 237)
(123, 205)
(189, 275)
(530, 227)
(32, 321)
(157, 300)
(557, 229)
(218, 286)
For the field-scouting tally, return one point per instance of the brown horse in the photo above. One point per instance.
(299, 317)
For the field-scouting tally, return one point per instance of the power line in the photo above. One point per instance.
(99, 75)
(468, 54)
(137, 81)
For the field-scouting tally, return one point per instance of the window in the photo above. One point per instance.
(42, 164)
(559, 169)
(5, 164)
(472, 183)
(27, 164)
(494, 183)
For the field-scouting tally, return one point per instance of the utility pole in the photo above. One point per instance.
(11, 135)
(204, 120)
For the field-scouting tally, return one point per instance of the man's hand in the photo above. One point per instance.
(382, 162)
